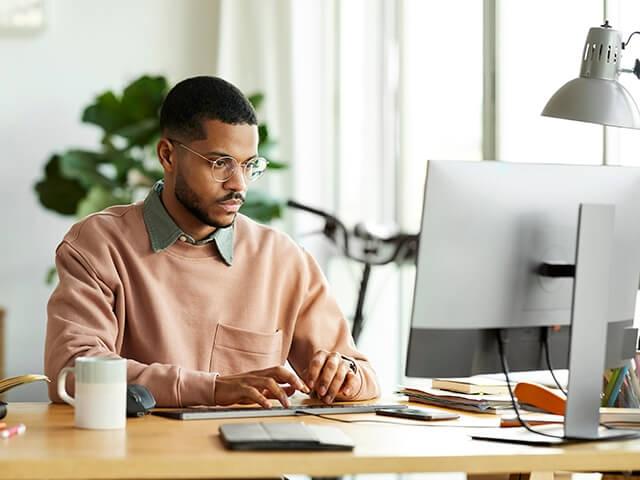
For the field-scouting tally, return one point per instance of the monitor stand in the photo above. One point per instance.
(589, 309)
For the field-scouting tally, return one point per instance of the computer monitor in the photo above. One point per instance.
(488, 228)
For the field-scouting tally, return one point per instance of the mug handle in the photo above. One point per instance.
(62, 381)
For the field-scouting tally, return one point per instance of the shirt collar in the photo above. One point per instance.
(164, 232)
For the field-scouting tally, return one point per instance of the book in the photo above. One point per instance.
(460, 401)
(11, 382)
(620, 415)
(472, 385)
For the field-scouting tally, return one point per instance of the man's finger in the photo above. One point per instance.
(336, 383)
(288, 389)
(253, 395)
(275, 390)
(284, 375)
(329, 370)
(315, 367)
(350, 384)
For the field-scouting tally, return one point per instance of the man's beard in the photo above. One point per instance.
(188, 198)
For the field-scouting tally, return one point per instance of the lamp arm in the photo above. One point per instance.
(635, 70)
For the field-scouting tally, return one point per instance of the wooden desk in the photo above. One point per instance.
(155, 447)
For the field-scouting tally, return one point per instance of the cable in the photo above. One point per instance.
(324, 417)
(626, 44)
(545, 345)
(505, 369)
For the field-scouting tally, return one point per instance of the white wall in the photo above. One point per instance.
(45, 80)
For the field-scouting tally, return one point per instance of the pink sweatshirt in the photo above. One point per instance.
(181, 316)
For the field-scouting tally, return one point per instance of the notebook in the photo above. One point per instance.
(284, 436)
(472, 385)
(494, 404)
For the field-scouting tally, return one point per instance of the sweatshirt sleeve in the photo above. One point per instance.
(321, 325)
(82, 322)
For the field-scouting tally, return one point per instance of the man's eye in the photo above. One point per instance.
(220, 163)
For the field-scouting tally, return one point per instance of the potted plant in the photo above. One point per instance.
(122, 169)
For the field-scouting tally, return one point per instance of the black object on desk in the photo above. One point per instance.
(284, 436)
(3, 409)
(140, 401)
(418, 414)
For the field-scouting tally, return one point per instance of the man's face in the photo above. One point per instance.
(214, 203)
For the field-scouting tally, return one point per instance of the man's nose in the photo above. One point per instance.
(237, 182)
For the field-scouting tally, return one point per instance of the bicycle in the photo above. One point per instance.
(375, 246)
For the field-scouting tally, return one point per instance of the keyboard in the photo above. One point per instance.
(211, 413)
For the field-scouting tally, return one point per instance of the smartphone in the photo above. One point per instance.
(418, 414)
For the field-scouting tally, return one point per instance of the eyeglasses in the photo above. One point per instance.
(223, 168)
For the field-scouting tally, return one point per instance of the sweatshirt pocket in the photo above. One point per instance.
(236, 350)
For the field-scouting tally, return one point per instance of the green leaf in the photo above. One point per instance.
(274, 165)
(82, 165)
(52, 275)
(135, 115)
(58, 193)
(106, 112)
(122, 163)
(256, 100)
(98, 199)
(263, 134)
(140, 133)
(143, 97)
(262, 207)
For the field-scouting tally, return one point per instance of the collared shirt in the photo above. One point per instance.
(164, 232)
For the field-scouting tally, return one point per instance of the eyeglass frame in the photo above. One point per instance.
(236, 164)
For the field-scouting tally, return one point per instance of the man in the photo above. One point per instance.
(205, 304)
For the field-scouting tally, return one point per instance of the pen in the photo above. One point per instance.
(12, 431)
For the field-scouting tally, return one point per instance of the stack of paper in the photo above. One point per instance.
(460, 401)
(620, 417)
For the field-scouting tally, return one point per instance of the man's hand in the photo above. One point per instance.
(258, 387)
(329, 375)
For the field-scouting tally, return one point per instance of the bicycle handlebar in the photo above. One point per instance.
(404, 243)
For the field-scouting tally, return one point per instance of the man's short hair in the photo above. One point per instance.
(203, 98)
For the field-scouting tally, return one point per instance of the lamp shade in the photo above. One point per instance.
(597, 96)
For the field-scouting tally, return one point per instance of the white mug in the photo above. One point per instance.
(101, 392)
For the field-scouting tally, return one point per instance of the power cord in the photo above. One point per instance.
(545, 344)
(500, 335)
(547, 355)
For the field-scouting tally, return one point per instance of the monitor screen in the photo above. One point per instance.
(486, 228)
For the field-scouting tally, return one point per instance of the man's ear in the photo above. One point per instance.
(164, 150)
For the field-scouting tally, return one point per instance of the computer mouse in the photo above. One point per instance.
(139, 400)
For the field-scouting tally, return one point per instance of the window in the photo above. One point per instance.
(441, 92)
(538, 50)
(625, 17)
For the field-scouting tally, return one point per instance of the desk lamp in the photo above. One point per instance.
(596, 96)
